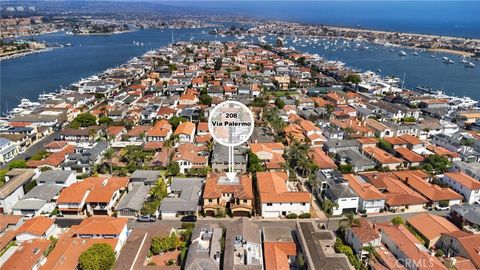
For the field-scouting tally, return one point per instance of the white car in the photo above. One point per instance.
(441, 208)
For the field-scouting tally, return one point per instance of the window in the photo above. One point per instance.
(269, 204)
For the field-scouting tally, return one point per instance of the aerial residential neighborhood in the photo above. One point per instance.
(333, 176)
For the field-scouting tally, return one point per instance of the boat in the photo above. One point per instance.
(415, 53)
(25, 103)
(402, 53)
(469, 64)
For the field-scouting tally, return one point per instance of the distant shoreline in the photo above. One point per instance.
(16, 54)
(461, 53)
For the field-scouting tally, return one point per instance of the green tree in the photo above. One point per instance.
(346, 168)
(328, 205)
(279, 103)
(354, 79)
(176, 120)
(436, 163)
(382, 144)
(108, 158)
(173, 169)
(218, 63)
(397, 220)
(162, 244)
(105, 121)
(348, 221)
(17, 164)
(99, 256)
(92, 133)
(84, 120)
(205, 99)
(159, 191)
(2, 176)
(254, 163)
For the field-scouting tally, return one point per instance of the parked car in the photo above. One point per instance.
(441, 208)
(146, 219)
(189, 219)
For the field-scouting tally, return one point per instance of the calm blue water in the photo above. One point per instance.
(31, 75)
(453, 79)
(452, 18)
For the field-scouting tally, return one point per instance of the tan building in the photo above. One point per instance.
(222, 196)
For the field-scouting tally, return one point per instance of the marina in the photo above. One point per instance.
(89, 55)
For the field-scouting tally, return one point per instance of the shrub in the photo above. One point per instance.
(99, 256)
(292, 216)
(397, 220)
(304, 215)
(188, 225)
(439, 253)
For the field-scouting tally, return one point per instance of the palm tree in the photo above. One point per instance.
(108, 157)
(328, 205)
(171, 142)
(371, 252)
(209, 146)
(348, 221)
(92, 133)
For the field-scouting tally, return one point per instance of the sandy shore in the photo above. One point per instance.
(462, 53)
